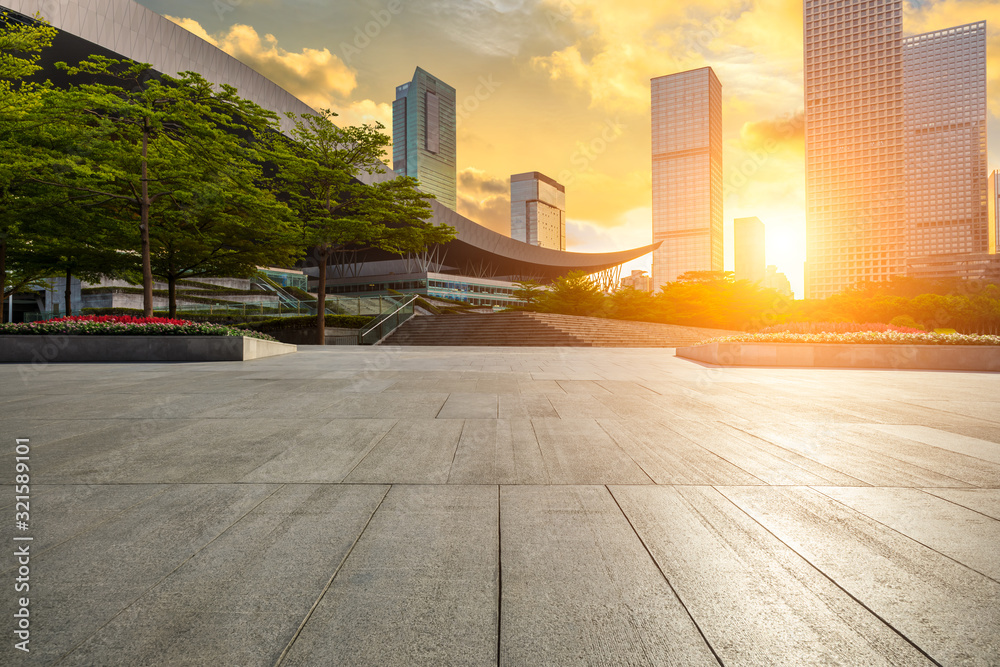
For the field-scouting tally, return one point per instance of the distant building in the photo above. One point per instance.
(538, 210)
(687, 173)
(424, 143)
(966, 265)
(993, 210)
(748, 243)
(944, 100)
(639, 281)
(777, 281)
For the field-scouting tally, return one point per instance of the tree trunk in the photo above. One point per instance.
(69, 293)
(321, 298)
(147, 264)
(3, 278)
(172, 295)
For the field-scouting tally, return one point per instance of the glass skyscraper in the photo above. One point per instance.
(423, 136)
(538, 210)
(687, 173)
(944, 100)
(855, 204)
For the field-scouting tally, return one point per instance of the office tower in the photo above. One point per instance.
(944, 104)
(748, 244)
(777, 281)
(993, 210)
(855, 208)
(423, 135)
(687, 173)
(538, 210)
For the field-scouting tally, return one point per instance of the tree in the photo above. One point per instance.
(529, 291)
(573, 294)
(148, 139)
(318, 171)
(20, 46)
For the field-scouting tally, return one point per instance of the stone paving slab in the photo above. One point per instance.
(515, 506)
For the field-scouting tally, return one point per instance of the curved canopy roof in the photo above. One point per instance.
(478, 251)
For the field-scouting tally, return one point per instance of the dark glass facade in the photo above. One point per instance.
(424, 143)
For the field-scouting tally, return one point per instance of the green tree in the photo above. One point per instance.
(318, 171)
(573, 294)
(148, 139)
(20, 99)
(529, 291)
(222, 223)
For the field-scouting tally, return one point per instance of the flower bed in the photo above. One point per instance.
(861, 337)
(124, 325)
(835, 327)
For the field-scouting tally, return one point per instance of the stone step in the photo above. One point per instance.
(523, 329)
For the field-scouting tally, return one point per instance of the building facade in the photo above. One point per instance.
(855, 204)
(993, 210)
(748, 245)
(424, 141)
(639, 280)
(777, 281)
(687, 173)
(538, 210)
(944, 100)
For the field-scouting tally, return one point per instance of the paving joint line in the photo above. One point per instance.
(833, 581)
(329, 583)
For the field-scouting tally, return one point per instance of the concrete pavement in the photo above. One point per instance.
(516, 506)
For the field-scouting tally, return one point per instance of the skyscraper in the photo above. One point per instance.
(423, 135)
(687, 173)
(538, 210)
(855, 208)
(944, 103)
(748, 245)
(993, 208)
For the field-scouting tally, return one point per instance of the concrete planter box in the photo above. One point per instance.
(66, 348)
(846, 355)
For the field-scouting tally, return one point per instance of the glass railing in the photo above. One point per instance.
(335, 305)
(388, 323)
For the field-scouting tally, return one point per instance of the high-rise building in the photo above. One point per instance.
(538, 210)
(423, 135)
(748, 245)
(777, 281)
(855, 205)
(944, 100)
(993, 210)
(687, 173)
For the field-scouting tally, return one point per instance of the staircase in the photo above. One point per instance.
(523, 329)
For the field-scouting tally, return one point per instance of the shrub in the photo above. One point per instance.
(837, 327)
(123, 325)
(905, 322)
(305, 321)
(861, 337)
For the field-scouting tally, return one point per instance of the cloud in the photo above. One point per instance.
(783, 133)
(485, 199)
(316, 76)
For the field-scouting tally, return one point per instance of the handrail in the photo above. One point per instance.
(388, 323)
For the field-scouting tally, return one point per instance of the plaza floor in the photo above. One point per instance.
(515, 506)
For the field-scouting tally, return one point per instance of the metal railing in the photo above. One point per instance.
(385, 325)
(335, 305)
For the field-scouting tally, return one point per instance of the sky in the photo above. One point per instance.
(562, 87)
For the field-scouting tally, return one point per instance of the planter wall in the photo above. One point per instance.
(65, 348)
(846, 355)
